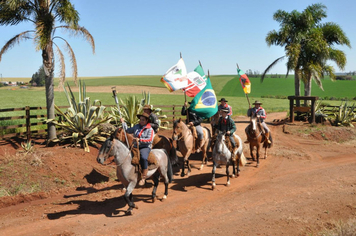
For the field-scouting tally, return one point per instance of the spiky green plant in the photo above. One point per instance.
(343, 116)
(27, 146)
(82, 119)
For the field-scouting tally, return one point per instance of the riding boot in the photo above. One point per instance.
(198, 145)
(267, 137)
(143, 177)
(233, 155)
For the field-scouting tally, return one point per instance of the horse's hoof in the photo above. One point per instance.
(182, 175)
(257, 165)
(129, 212)
(228, 184)
(153, 199)
(164, 198)
(213, 186)
(233, 176)
(238, 174)
(123, 190)
(201, 167)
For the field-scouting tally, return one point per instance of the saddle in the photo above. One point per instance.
(152, 162)
(229, 144)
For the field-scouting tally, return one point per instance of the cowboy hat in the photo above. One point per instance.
(257, 102)
(144, 115)
(222, 100)
(148, 107)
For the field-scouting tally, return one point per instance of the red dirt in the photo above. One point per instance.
(306, 184)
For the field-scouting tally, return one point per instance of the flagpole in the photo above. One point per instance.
(118, 107)
(185, 102)
(248, 100)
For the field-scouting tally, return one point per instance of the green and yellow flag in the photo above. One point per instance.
(205, 104)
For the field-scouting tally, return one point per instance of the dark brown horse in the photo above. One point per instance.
(255, 137)
(185, 142)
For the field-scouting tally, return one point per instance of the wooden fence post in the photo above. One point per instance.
(28, 123)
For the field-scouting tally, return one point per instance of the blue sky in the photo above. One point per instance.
(146, 37)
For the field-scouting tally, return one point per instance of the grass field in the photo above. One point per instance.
(226, 86)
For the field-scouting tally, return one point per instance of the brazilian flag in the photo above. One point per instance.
(205, 104)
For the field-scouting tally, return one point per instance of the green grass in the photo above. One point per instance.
(227, 86)
(285, 87)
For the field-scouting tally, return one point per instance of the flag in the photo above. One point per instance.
(196, 82)
(176, 77)
(245, 82)
(205, 104)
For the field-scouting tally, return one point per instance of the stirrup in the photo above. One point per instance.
(246, 141)
(142, 182)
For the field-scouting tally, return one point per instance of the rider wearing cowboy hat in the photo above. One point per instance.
(144, 134)
(260, 113)
(223, 104)
(153, 117)
(227, 125)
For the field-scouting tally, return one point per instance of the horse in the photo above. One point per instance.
(222, 155)
(214, 121)
(159, 142)
(185, 142)
(255, 137)
(126, 172)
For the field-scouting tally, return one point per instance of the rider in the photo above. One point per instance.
(223, 104)
(260, 113)
(153, 117)
(144, 134)
(194, 120)
(227, 125)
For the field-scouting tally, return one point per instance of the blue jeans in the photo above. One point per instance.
(144, 152)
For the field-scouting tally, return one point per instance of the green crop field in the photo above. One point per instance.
(227, 86)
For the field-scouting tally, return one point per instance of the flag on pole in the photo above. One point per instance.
(204, 104)
(196, 82)
(176, 77)
(244, 80)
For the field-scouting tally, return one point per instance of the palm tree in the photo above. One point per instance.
(44, 14)
(308, 45)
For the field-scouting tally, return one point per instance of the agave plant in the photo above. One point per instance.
(27, 146)
(131, 107)
(82, 119)
(343, 116)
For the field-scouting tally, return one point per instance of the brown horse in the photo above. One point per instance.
(214, 121)
(159, 142)
(255, 137)
(185, 143)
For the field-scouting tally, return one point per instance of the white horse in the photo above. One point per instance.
(126, 171)
(222, 155)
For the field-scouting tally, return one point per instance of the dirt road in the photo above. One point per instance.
(306, 184)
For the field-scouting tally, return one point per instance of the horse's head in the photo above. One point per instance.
(105, 150)
(220, 141)
(177, 128)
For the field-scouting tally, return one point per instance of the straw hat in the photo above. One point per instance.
(148, 107)
(257, 102)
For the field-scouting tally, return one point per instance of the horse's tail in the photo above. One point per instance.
(169, 168)
(172, 152)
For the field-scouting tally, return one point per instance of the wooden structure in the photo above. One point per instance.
(303, 109)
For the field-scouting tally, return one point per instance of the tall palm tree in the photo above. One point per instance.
(44, 14)
(308, 45)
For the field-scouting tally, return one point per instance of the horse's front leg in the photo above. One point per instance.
(258, 156)
(129, 198)
(265, 156)
(213, 178)
(227, 174)
(186, 162)
(237, 166)
(251, 152)
(205, 158)
(233, 169)
(155, 179)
